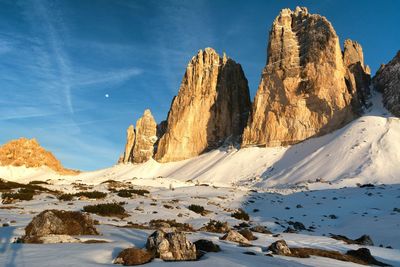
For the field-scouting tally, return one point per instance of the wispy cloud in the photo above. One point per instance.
(105, 78)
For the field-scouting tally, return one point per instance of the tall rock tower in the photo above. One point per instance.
(212, 105)
(302, 92)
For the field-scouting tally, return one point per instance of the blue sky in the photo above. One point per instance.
(58, 60)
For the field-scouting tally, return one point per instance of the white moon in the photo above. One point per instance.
(107, 95)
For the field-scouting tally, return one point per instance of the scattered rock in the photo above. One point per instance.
(247, 234)
(171, 246)
(362, 240)
(133, 256)
(260, 229)
(234, 236)
(216, 227)
(206, 245)
(280, 248)
(365, 255)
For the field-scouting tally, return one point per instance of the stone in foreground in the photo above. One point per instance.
(133, 256)
(171, 246)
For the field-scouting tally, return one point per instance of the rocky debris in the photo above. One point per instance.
(298, 226)
(364, 240)
(55, 239)
(58, 222)
(260, 229)
(280, 248)
(207, 246)
(29, 153)
(236, 237)
(133, 256)
(364, 255)
(130, 143)
(387, 81)
(171, 246)
(140, 143)
(216, 227)
(247, 234)
(358, 76)
(212, 105)
(302, 92)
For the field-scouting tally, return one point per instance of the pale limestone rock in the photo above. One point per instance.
(235, 236)
(302, 92)
(171, 246)
(387, 81)
(212, 104)
(146, 137)
(130, 142)
(358, 76)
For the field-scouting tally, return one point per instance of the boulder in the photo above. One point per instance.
(171, 246)
(236, 237)
(58, 222)
(302, 92)
(260, 229)
(133, 256)
(207, 246)
(280, 248)
(211, 107)
(247, 234)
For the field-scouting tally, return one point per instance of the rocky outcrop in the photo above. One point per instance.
(29, 153)
(130, 143)
(171, 246)
(302, 92)
(146, 137)
(234, 236)
(140, 143)
(387, 81)
(49, 223)
(280, 248)
(358, 76)
(212, 104)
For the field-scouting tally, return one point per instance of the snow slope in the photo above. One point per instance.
(365, 151)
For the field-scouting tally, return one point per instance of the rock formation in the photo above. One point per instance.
(29, 153)
(358, 76)
(133, 256)
(139, 146)
(302, 92)
(387, 81)
(212, 104)
(130, 142)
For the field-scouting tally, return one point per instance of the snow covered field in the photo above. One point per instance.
(314, 182)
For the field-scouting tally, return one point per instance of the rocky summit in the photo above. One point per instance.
(139, 146)
(387, 81)
(358, 75)
(302, 92)
(212, 105)
(29, 153)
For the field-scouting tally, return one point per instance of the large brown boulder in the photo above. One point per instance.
(358, 75)
(387, 81)
(171, 246)
(58, 222)
(280, 248)
(302, 92)
(212, 104)
(133, 256)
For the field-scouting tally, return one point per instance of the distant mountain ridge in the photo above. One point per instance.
(29, 153)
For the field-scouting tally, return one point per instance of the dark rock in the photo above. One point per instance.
(133, 256)
(247, 234)
(365, 255)
(260, 229)
(206, 245)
